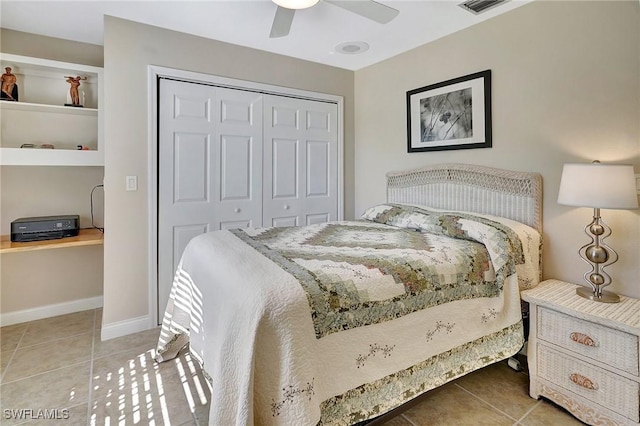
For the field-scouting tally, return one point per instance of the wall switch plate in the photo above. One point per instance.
(132, 183)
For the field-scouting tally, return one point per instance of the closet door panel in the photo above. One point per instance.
(209, 167)
(321, 158)
(284, 115)
(238, 178)
(236, 168)
(299, 183)
(185, 162)
(284, 181)
(284, 168)
(192, 167)
(318, 169)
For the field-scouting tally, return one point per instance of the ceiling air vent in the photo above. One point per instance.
(479, 6)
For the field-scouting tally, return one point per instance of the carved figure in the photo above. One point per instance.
(73, 90)
(9, 87)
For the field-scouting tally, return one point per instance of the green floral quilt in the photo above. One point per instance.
(397, 260)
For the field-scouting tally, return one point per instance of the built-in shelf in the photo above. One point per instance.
(86, 237)
(50, 157)
(58, 109)
(40, 117)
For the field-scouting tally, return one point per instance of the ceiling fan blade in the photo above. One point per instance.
(282, 22)
(368, 8)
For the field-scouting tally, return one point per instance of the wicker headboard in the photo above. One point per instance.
(466, 187)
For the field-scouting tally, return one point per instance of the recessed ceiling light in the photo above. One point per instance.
(352, 47)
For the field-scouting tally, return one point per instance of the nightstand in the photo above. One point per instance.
(583, 355)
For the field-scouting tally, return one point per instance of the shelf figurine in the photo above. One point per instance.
(74, 93)
(9, 91)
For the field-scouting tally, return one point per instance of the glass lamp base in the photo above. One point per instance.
(606, 297)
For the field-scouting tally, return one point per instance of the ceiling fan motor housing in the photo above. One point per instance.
(369, 9)
(296, 4)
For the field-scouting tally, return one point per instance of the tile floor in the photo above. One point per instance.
(60, 365)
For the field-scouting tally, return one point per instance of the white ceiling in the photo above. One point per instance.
(314, 34)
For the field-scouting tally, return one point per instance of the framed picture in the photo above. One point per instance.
(453, 114)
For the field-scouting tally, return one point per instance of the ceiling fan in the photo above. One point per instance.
(369, 9)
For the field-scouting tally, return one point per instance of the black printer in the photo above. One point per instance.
(44, 228)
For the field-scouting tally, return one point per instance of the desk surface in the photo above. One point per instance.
(86, 237)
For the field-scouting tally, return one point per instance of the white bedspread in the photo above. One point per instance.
(249, 323)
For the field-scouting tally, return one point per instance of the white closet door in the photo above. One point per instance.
(209, 167)
(300, 162)
(238, 180)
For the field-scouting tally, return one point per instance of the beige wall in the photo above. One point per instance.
(55, 49)
(128, 50)
(36, 279)
(566, 88)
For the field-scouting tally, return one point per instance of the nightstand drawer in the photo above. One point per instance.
(612, 347)
(593, 383)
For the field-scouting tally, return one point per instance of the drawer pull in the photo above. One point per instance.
(583, 381)
(583, 339)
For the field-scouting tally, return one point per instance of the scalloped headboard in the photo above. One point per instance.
(466, 187)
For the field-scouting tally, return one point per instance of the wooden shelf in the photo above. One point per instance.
(87, 237)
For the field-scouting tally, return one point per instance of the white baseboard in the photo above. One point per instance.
(122, 328)
(47, 311)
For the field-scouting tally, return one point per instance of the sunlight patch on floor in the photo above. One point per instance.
(137, 392)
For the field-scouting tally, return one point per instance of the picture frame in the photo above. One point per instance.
(453, 114)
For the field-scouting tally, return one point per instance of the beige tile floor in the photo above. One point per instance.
(60, 365)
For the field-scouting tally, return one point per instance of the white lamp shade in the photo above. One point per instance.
(295, 4)
(596, 185)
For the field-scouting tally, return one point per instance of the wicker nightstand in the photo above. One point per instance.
(583, 355)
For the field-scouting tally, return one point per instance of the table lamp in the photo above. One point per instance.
(600, 186)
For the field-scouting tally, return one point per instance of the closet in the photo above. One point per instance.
(234, 158)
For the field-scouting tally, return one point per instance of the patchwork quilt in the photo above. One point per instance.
(340, 322)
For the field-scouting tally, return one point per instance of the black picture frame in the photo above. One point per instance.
(453, 114)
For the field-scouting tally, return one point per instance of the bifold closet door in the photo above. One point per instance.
(209, 167)
(300, 184)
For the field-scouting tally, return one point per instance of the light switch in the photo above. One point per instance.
(132, 183)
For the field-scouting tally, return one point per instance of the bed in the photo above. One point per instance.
(341, 322)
